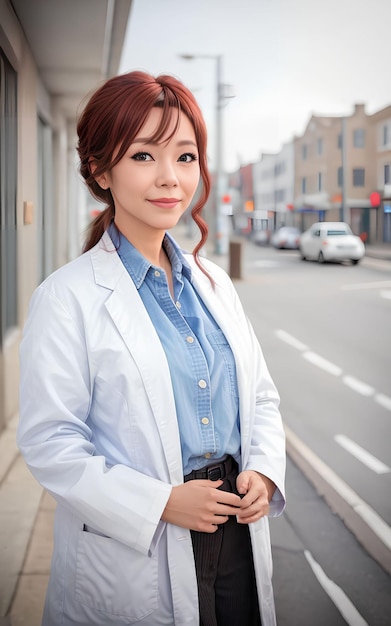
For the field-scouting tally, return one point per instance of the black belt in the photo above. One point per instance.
(214, 472)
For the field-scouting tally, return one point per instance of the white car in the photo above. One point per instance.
(331, 241)
(286, 237)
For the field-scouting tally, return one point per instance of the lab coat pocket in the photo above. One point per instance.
(114, 579)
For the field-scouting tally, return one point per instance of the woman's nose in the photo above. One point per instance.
(166, 176)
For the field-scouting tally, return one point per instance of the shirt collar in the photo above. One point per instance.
(137, 265)
(176, 256)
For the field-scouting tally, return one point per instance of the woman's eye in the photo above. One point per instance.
(188, 157)
(142, 156)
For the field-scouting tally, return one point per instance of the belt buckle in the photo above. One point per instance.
(214, 472)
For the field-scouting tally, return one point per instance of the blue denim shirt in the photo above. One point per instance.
(201, 362)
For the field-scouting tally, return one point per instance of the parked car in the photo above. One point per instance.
(331, 241)
(260, 237)
(286, 237)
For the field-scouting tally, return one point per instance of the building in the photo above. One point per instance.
(52, 52)
(339, 169)
(274, 186)
(273, 181)
(382, 138)
(264, 185)
(284, 175)
(342, 172)
(334, 170)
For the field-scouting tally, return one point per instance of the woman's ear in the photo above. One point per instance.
(102, 181)
(102, 178)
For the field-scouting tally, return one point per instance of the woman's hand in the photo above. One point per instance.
(257, 490)
(200, 505)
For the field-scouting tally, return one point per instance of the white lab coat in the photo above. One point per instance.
(98, 429)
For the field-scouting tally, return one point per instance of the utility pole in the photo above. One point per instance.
(220, 220)
(221, 226)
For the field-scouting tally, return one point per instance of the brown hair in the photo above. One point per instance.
(111, 121)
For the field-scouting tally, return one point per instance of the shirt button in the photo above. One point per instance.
(189, 339)
(157, 273)
(205, 420)
(178, 305)
(208, 455)
(202, 384)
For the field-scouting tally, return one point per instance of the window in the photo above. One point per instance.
(385, 135)
(279, 168)
(359, 177)
(279, 195)
(319, 146)
(8, 180)
(303, 185)
(319, 181)
(359, 138)
(304, 151)
(338, 232)
(44, 213)
(340, 177)
(387, 179)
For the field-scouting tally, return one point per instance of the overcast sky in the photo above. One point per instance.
(285, 60)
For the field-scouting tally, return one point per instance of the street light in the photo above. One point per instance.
(220, 219)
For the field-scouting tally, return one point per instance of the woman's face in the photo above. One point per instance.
(154, 183)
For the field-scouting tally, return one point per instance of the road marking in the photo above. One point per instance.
(325, 365)
(350, 381)
(362, 455)
(292, 341)
(375, 285)
(383, 400)
(337, 595)
(385, 294)
(358, 385)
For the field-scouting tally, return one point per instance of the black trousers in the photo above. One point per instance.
(225, 570)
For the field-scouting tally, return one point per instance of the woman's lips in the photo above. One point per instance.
(165, 203)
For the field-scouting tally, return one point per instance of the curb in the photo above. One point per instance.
(381, 252)
(368, 527)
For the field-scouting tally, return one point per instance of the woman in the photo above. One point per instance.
(146, 407)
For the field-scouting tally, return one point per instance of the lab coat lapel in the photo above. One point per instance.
(138, 333)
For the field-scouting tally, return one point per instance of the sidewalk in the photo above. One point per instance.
(26, 511)
(379, 251)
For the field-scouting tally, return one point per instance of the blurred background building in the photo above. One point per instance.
(51, 54)
(337, 170)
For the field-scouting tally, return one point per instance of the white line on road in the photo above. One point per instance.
(325, 365)
(358, 385)
(362, 455)
(383, 400)
(350, 381)
(284, 336)
(374, 285)
(337, 595)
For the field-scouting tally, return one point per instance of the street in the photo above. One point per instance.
(326, 336)
(322, 575)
